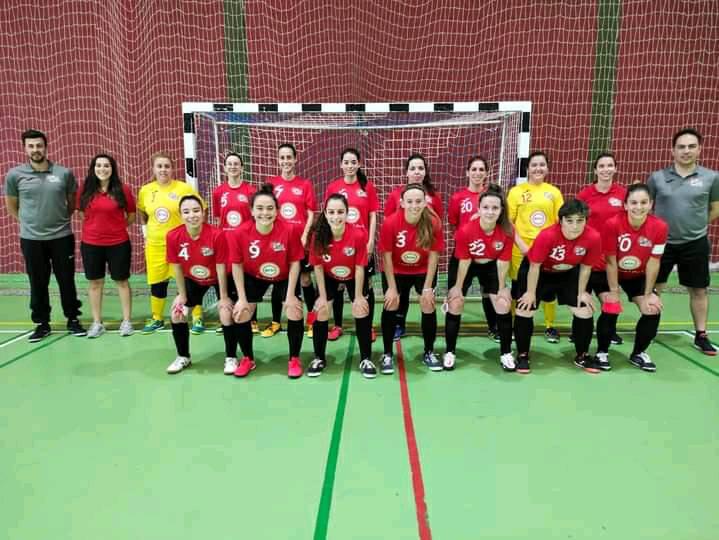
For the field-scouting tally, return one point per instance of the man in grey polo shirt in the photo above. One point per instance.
(41, 196)
(686, 196)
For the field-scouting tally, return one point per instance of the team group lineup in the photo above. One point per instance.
(526, 248)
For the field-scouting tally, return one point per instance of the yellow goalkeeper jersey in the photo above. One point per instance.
(161, 203)
(533, 208)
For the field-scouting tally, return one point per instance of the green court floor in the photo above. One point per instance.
(98, 442)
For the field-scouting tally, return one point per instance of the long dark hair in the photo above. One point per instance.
(493, 190)
(361, 176)
(425, 225)
(427, 181)
(92, 184)
(321, 230)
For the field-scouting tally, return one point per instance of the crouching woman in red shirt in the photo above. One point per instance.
(197, 252)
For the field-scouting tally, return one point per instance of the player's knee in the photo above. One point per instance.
(294, 313)
(456, 305)
(426, 305)
(323, 313)
(501, 305)
(582, 312)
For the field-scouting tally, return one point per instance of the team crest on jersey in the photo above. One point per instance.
(341, 271)
(498, 246)
(172, 195)
(162, 215)
(410, 257)
(297, 191)
(269, 270)
(644, 242)
(580, 251)
(353, 215)
(242, 198)
(234, 218)
(200, 272)
(207, 251)
(278, 246)
(538, 218)
(349, 251)
(613, 201)
(629, 263)
(361, 193)
(288, 210)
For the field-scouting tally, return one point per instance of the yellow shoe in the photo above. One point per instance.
(255, 327)
(271, 330)
(309, 331)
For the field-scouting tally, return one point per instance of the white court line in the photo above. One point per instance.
(21, 336)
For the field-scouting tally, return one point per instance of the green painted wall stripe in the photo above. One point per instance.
(323, 512)
(605, 66)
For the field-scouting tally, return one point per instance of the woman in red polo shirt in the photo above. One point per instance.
(410, 243)
(107, 207)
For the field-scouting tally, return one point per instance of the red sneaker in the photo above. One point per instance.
(246, 365)
(373, 335)
(335, 333)
(311, 316)
(294, 368)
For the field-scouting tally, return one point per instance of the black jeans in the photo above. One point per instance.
(41, 258)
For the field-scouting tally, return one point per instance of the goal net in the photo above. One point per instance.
(446, 138)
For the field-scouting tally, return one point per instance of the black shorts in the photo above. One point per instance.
(196, 292)
(255, 288)
(305, 265)
(560, 286)
(371, 268)
(332, 287)
(96, 258)
(598, 283)
(405, 283)
(692, 260)
(633, 287)
(486, 274)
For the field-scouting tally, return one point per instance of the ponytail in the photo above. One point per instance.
(321, 231)
(362, 178)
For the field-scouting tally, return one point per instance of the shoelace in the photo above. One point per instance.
(431, 358)
(386, 360)
(366, 363)
(316, 363)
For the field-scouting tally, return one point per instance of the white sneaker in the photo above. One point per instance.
(178, 365)
(448, 360)
(126, 328)
(507, 361)
(230, 365)
(96, 330)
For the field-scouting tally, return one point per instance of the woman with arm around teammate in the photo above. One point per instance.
(197, 253)
(158, 209)
(363, 204)
(605, 199)
(483, 248)
(633, 244)
(410, 243)
(107, 208)
(338, 253)
(266, 251)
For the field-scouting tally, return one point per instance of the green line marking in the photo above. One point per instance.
(688, 358)
(609, 14)
(47, 343)
(323, 512)
(15, 336)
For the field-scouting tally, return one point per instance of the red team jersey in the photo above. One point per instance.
(295, 197)
(361, 201)
(197, 257)
(400, 239)
(392, 204)
(232, 205)
(602, 208)
(633, 247)
(557, 254)
(265, 256)
(104, 222)
(471, 242)
(343, 255)
(462, 206)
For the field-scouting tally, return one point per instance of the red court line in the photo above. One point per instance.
(417, 483)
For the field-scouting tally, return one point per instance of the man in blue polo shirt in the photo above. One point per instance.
(686, 196)
(41, 196)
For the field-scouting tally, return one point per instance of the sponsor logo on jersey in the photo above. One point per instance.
(162, 214)
(580, 251)
(410, 257)
(234, 218)
(629, 263)
(349, 251)
(353, 215)
(278, 246)
(52, 178)
(613, 201)
(694, 182)
(288, 210)
(207, 251)
(200, 272)
(644, 241)
(341, 271)
(269, 270)
(538, 218)
(548, 195)
(498, 246)
(297, 191)
(561, 267)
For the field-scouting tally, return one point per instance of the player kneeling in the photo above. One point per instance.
(197, 252)
(484, 249)
(338, 252)
(558, 266)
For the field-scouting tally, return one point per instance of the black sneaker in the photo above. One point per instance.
(643, 361)
(602, 361)
(432, 362)
(41, 332)
(316, 367)
(522, 365)
(368, 369)
(386, 365)
(587, 363)
(617, 339)
(551, 335)
(701, 342)
(493, 334)
(75, 328)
